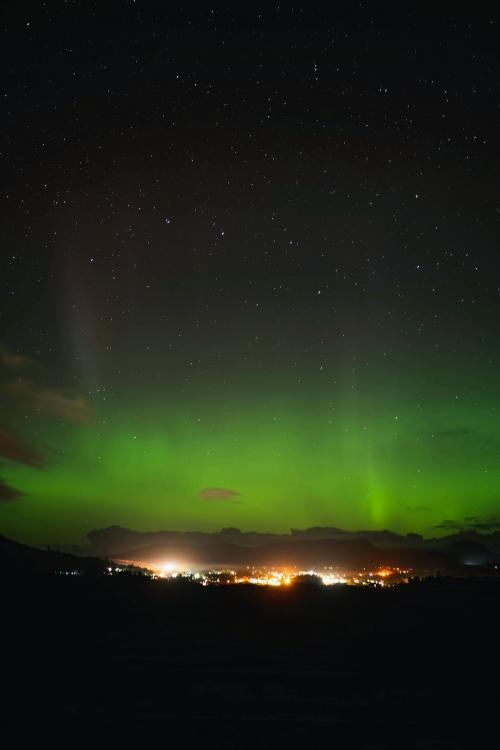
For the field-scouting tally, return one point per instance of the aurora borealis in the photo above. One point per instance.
(332, 458)
(254, 284)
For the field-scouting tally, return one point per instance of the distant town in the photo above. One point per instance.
(262, 576)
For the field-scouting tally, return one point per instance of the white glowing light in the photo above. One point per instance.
(169, 568)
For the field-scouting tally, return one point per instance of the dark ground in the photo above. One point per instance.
(128, 659)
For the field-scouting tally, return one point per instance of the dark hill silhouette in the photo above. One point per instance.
(19, 558)
(303, 553)
(346, 553)
(116, 541)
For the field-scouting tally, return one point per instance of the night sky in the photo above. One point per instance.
(249, 267)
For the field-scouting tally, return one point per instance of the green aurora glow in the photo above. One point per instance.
(385, 454)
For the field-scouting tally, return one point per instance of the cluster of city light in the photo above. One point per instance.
(170, 570)
(276, 577)
(331, 580)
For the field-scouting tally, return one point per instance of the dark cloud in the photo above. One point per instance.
(21, 377)
(455, 432)
(489, 522)
(59, 402)
(8, 493)
(63, 402)
(483, 523)
(219, 493)
(14, 448)
(449, 525)
(485, 526)
(38, 397)
(16, 362)
(490, 443)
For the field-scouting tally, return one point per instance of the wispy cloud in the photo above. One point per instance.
(23, 383)
(21, 380)
(455, 432)
(219, 493)
(488, 522)
(59, 402)
(449, 525)
(16, 362)
(62, 402)
(483, 523)
(14, 448)
(8, 493)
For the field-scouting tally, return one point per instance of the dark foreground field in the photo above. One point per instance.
(123, 659)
